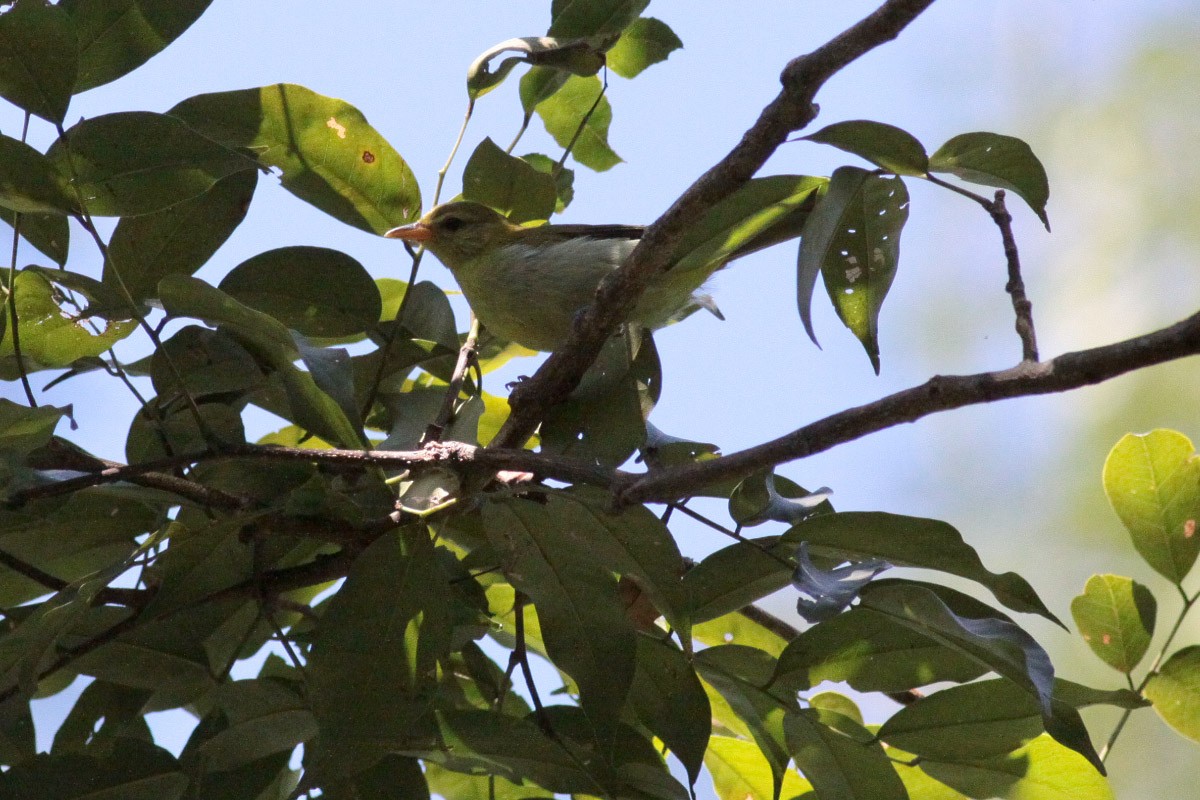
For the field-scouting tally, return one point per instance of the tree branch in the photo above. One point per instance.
(940, 393)
(1015, 286)
(790, 111)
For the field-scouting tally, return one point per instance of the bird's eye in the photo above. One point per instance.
(452, 224)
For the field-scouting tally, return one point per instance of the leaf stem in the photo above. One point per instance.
(11, 294)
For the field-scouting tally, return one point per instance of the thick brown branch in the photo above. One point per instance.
(790, 111)
(941, 393)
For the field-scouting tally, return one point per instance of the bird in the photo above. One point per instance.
(527, 284)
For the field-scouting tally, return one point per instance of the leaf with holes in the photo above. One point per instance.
(853, 239)
(992, 159)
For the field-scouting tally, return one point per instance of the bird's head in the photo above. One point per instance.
(457, 233)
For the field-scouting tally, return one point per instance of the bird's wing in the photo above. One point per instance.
(632, 232)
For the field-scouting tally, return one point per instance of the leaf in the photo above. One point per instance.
(563, 113)
(740, 772)
(1041, 770)
(269, 341)
(264, 718)
(737, 575)
(37, 59)
(134, 770)
(853, 239)
(29, 181)
(171, 162)
(668, 699)
(884, 145)
(737, 628)
(991, 640)
(739, 673)
(872, 653)
(583, 620)
(508, 184)
(314, 290)
(102, 301)
(912, 542)
(178, 240)
(118, 36)
(1115, 616)
(765, 496)
(839, 758)
(556, 57)
(327, 153)
(1175, 692)
(50, 336)
(373, 670)
(992, 159)
(333, 373)
(177, 433)
(211, 363)
(645, 42)
(564, 178)
(593, 17)
(24, 429)
(49, 233)
(1153, 483)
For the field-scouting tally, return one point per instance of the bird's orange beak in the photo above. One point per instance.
(416, 232)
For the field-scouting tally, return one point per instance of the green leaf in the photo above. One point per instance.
(37, 59)
(872, 653)
(1041, 770)
(990, 639)
(508, 184)
(373, 670)
(252, 779)
(575, 18)
(739, 673)
(29, 181)
(49, 233)
(1115, 616)
(552, 58)
(314, 290)
(23, 429)
(965, 723)
(737, 628)
(741, 772)
(171, 162)
(668, 699)
(103, 714)
(178, 240)
(765, 497)
(565, 110)
(177, 432)
(51, 336)
(134, 770)
(1175, 692)
(270, 341)
(995, 160)
(564, 178)
(461, 786)
(118, 36)
(264, 716)
(604, 419)
(1153, 483)
(885, 146)
(102, 301)
(583, 621)
(199, 561)
(327, 152)
(737, 575)
(853, 239)
(911, 542)
(839, 758)
(647, 41)
(538, 84)
(211, 363)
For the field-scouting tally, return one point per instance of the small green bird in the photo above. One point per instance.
(527, 284)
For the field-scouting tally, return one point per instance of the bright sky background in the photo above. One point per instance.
(982, 65)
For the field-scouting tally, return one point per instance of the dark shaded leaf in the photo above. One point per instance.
(118, 36)
(37, 59)
(211, 362)
(327, 152)
(765, 497)
(886, 146)
(996, 160)
(264, 717)
(23, 429)
(134, 770)
(178, 240)
(177, 433)
(508, 184)
(840, 758)
(912, 542)
(600, 18)
(314, 290)
(29, 181)
(564, 178)
(668, 699)
(736, 576)
(171, 162)
(49, 233)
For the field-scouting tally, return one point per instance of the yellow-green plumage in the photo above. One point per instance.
(527, 284)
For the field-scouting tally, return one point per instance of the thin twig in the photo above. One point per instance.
(13, 322)
(521, 653)
(579, 129)
(466, 356)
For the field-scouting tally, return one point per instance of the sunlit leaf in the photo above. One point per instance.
(645, 42)
(886, 146)
(1115, 616)
(1041, 770)
(741, 772)
(508, 184)
(996, 160)
(1175, 692)
(567, 108)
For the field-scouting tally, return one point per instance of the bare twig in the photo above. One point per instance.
(466, 356)
(790, 111)
(1015, 286)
